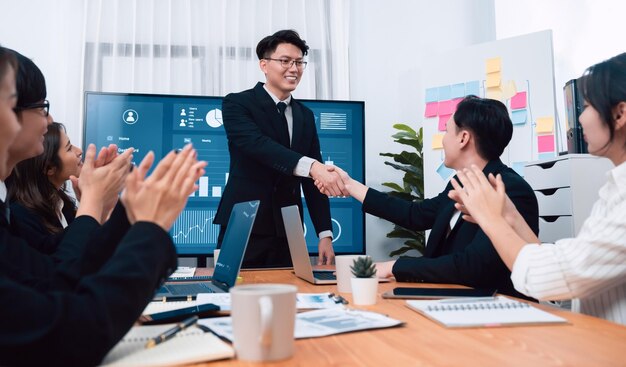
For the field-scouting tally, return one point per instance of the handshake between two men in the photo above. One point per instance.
(333, 181)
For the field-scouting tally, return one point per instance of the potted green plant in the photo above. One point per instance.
(364, 283)
(412, 187)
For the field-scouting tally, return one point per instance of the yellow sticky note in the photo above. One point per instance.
(494, 93)
(509, 89)
(493, 80)
(545, 125)
(437, 141)
(494, 65)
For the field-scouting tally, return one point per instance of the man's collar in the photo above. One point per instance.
(287, 101)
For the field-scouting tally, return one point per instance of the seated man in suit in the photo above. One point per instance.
(274, 150)
(457, 251)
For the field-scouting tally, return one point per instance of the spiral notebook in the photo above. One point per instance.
(191, 345)
(481, 312)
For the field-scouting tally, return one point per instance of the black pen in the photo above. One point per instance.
(172, 332)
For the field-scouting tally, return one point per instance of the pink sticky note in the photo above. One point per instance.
(518, 100)
(431, 109)
(455, 102)
(545, 143)
(443, 119)
(446, 107)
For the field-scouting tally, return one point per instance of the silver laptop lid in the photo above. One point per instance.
(297, 245)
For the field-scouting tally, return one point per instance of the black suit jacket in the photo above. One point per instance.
(75, 322)
(262, 162)
(82, 249)
(31, 228)
(466, 256)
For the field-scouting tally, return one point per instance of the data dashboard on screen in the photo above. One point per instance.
(161, 123)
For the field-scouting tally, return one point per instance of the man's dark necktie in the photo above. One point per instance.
(284, 130)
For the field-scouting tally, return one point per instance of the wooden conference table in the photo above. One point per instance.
(584, 341)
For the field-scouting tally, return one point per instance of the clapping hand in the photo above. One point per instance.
(101, 180)
(105, 156)
(480, 199)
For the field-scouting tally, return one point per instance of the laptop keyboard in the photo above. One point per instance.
(324, 275)
(185, 289)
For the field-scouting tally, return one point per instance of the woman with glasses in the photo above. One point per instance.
(37, 190)
(591, 268)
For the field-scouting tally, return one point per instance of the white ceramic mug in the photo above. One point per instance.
(343, 272)
(264, 317)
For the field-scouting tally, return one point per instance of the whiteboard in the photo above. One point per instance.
(525, 62)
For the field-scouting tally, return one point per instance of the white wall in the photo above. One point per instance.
(389, 41)
(49, 32)
(584, 32)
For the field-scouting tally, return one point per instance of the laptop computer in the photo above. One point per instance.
(231, 256)
(299, 253)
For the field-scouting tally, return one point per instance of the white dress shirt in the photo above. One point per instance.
(3, 191)
(60, 214)
(590, 268)
(303, 168)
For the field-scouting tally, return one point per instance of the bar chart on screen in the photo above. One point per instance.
(214, 150)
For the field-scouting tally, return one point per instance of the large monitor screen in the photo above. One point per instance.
(164, 122)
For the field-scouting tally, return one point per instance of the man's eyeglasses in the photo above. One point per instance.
(288, 63)
(44, 107)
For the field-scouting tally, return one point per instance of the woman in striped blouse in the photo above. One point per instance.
(590, 268)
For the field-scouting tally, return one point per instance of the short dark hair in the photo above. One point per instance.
(268, 44)
(7, 58)
(29, 81)
(489, 122)
(603, 86)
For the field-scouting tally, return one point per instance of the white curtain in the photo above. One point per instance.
(207, 47)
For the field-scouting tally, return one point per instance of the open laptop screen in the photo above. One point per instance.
(235, 242)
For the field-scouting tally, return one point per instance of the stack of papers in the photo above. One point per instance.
(314, 324)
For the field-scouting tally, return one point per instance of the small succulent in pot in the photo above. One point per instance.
(363, 267)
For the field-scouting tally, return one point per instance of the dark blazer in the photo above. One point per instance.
(77, 324)
(262, 162)
(466, 256)
(82, 250)
(31, 228)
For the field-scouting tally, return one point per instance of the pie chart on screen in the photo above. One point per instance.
(214, 118)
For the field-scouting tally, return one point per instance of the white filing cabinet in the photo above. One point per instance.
(566, 188)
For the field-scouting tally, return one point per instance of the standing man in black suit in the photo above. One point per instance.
(457, 251)
(274, 152)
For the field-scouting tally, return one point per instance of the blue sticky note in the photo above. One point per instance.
(445, 93)
(458, 90)
(547, 155)
(472, 88)
(518, 117)
(432, 95)
(519, 167)
(444, 172)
